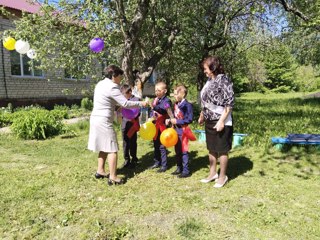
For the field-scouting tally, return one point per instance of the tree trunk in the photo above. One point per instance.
(127, 62)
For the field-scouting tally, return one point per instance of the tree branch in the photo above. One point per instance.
(297, 12)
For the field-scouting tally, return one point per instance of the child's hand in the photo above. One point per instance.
(150, 119)
(173, 121)
(167, 121)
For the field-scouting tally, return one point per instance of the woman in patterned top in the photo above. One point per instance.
(217, 100)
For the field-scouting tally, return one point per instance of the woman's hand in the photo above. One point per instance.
(145, 103)
(201, 119)
(219, 126)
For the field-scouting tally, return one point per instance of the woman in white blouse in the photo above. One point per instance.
(102, 136)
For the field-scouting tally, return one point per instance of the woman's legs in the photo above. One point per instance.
(223, 167)
(101, 163)
(112, 160)
(213, 158)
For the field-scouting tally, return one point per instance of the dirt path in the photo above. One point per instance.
(314, 95)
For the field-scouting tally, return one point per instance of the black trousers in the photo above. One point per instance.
(129, 144)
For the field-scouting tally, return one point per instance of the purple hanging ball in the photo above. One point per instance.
(130, 113)
(96, 45)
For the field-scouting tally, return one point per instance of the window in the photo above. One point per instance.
(21, 65)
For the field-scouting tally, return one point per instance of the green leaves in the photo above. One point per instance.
(37, 124)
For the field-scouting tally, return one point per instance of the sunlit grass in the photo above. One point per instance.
(48, 190)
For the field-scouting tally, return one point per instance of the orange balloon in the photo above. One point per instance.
(169, 137)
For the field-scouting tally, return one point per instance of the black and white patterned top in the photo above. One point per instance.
(216, 92)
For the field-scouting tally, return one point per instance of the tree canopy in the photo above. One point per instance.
(175, 36)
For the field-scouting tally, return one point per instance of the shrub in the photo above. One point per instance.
(36, 124)
(5, 118)
(28, 108)
(61, 111)
(87, 104)
(281, 89)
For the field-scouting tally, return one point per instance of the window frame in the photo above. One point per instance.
(22, 68)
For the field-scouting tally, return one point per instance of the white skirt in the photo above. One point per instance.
(102, 137)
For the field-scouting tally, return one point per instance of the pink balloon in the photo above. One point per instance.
(130, 113)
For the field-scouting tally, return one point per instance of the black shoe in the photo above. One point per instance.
(176, 172)
(135, 160)
(184, 175)
(113, 182)
(162, 169)
(98, 175)
(154, 166)
(126, 164)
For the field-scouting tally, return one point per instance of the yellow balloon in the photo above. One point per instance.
(9, 43)
(147, 131)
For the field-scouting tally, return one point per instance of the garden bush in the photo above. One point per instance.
(37, 124)
(60, 111)
(87, 104)
(5, 119)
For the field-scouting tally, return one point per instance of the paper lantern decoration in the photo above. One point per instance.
(130, 113)
(147, 131)
(96, 45)
(22, 47)
(9, 43)
(169, 137)
(32, 54)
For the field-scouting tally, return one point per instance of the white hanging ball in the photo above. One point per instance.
(32, 54)
(22, 47)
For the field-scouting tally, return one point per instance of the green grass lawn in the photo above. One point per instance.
(48, 190)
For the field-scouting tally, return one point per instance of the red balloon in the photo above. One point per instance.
(169, 137)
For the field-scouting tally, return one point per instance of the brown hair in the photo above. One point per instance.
(214, 65)
(112, 71)
(183, 88)
(125, 88)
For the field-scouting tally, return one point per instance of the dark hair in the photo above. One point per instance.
(112, 71)
(125, 88)
(214, 65)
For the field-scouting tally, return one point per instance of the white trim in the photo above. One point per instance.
(22, 75)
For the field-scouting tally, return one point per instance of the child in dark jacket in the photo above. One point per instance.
(159, 113)
(183, 114)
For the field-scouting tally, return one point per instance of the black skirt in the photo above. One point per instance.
(220, 142)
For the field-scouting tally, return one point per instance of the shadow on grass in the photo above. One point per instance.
(303, 157)
(236, 165)
(144, 163)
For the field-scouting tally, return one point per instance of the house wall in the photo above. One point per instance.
(29, 90)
